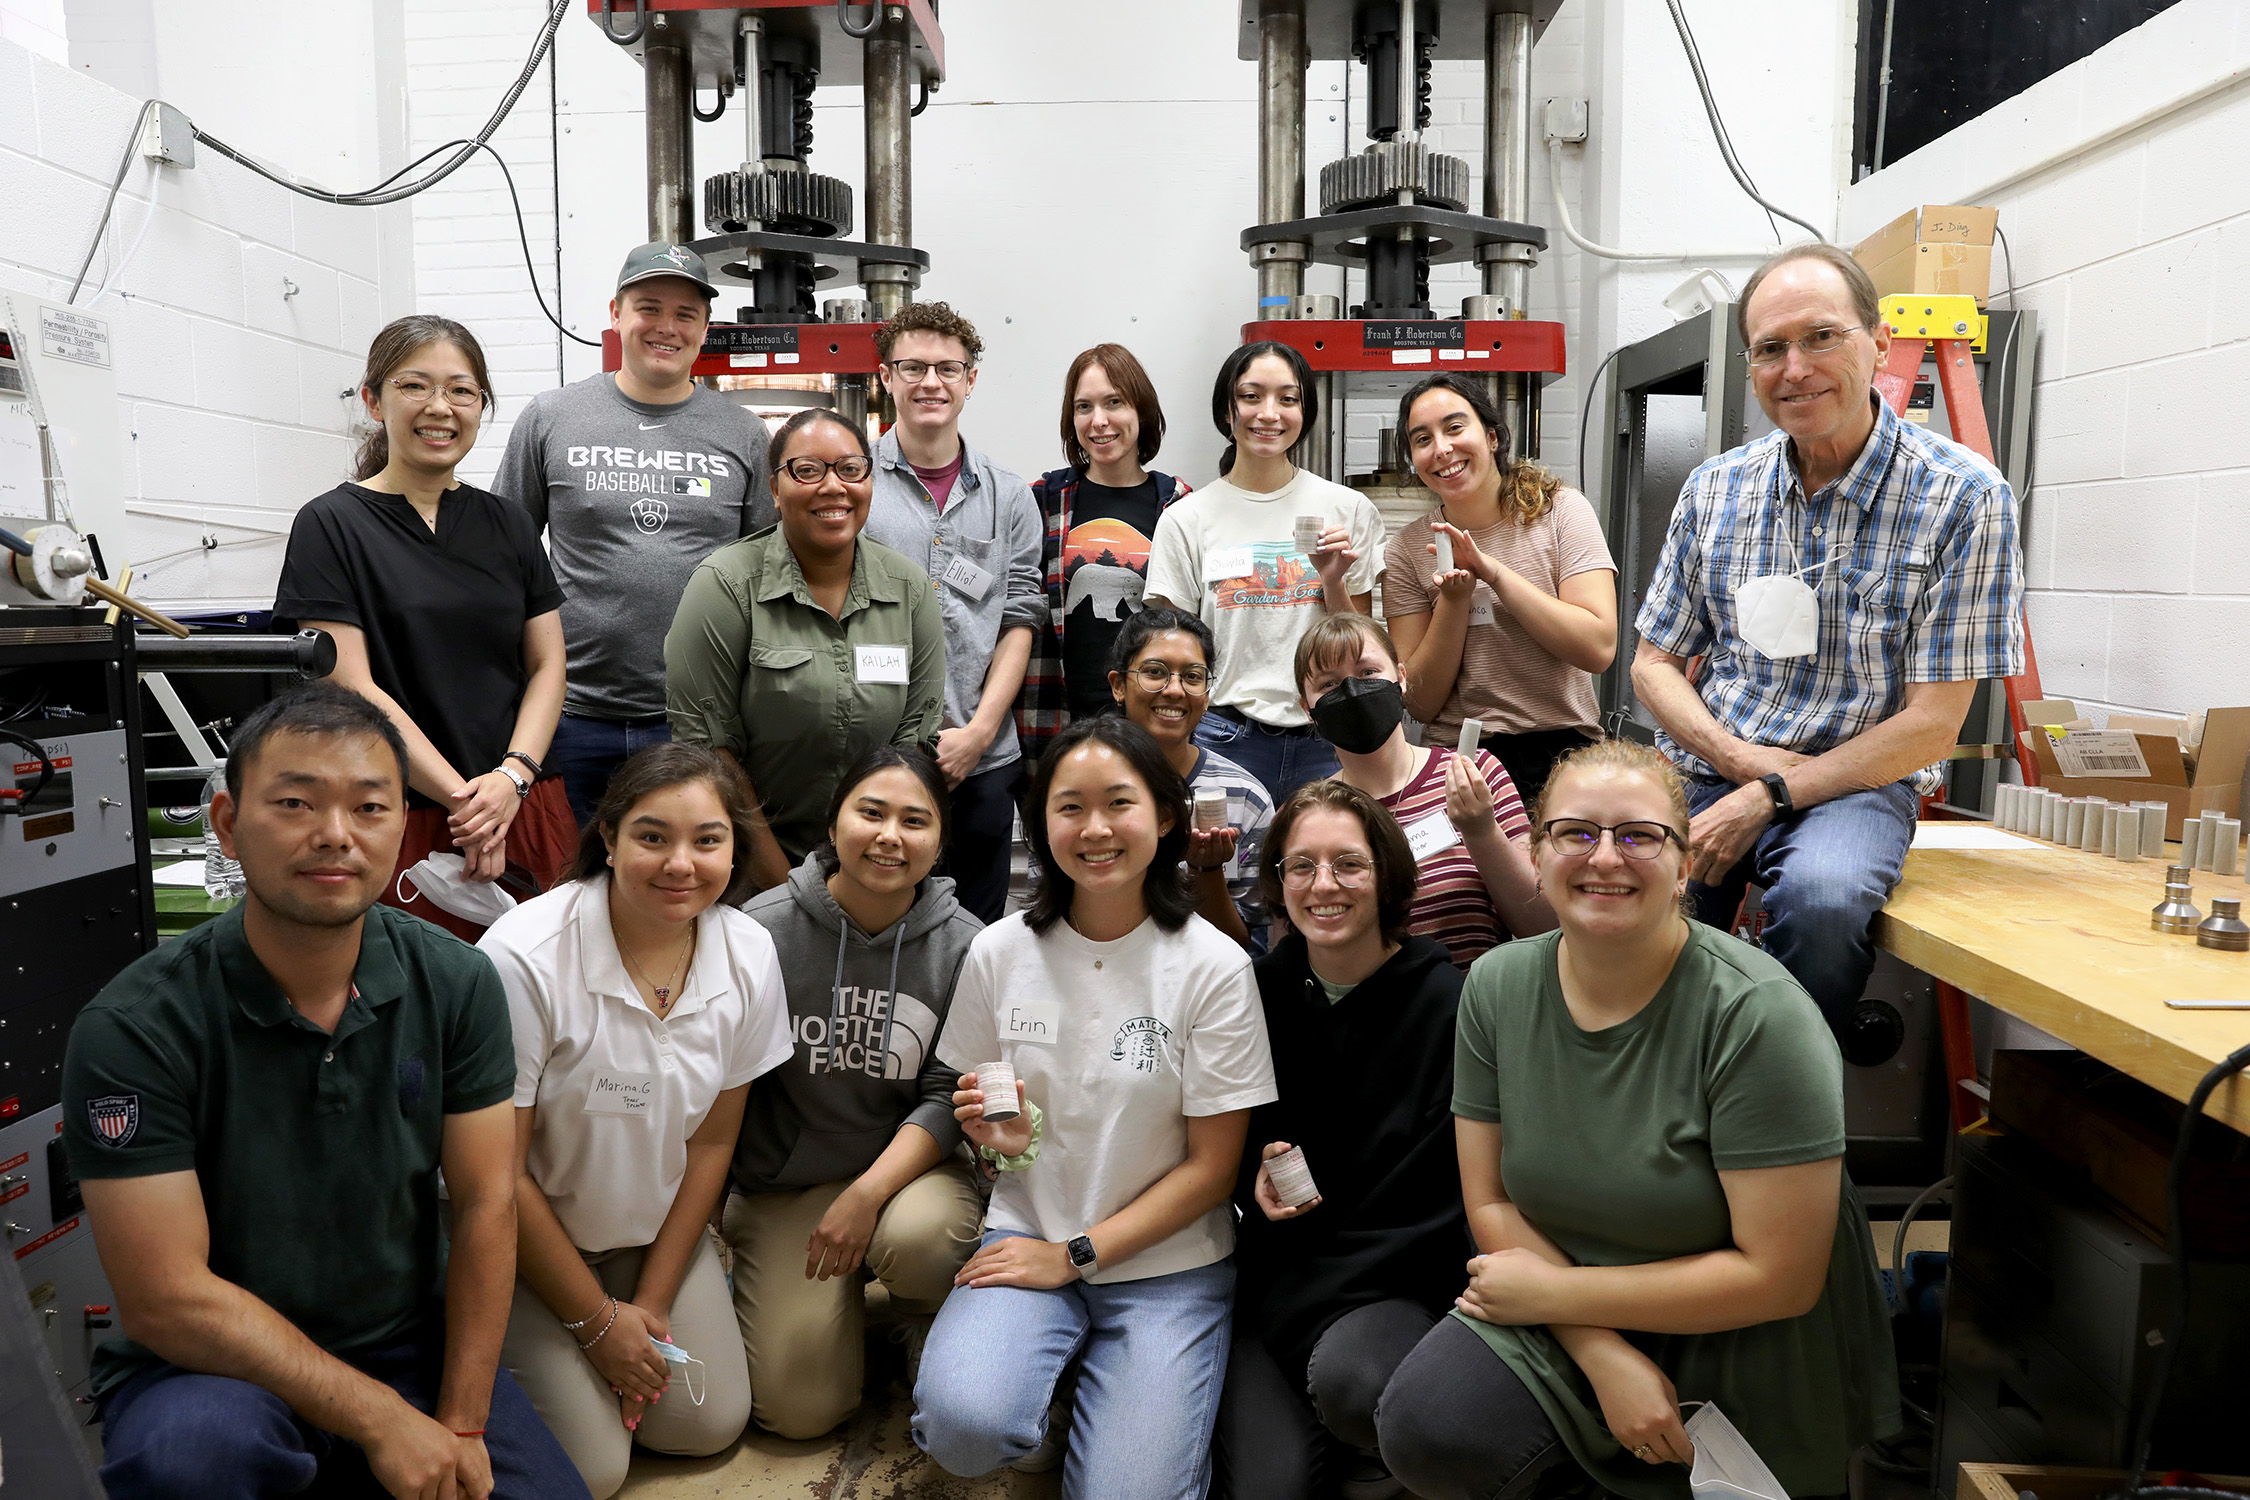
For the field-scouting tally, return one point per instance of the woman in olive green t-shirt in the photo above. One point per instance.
(1668, 1221)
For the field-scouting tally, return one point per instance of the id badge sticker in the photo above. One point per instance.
(1484, 609)
(1035, 1021)
(966, 576)
(1431, 834)
(880, 663)
(621, 1094)
(1228, 562)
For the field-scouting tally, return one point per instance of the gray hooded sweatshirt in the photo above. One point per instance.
(865, 1013)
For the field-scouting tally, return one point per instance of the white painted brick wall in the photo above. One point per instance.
(228, 409)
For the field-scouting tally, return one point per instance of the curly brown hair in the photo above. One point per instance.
(928, 317)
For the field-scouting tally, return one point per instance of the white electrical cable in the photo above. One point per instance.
(1606, 252)
(116, 273)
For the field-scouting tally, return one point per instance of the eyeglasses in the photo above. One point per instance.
(1816, 343)
(420, 391)
(1573, 837)
(851, 468)
(1351, 871)
(911, 371)
(1156, 676)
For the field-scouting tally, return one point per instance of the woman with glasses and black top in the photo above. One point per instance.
(1510, 634)
(1336, 1290)
(445, 616)
(1650, 1122)
(799, 646)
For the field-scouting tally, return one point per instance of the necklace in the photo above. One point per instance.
(663, 992)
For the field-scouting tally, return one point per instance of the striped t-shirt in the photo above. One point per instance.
(1451, 904)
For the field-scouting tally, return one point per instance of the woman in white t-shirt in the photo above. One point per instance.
(643, 1004)
(1229, 553)
(1134, 1025)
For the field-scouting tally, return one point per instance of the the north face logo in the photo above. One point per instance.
(115, 1117)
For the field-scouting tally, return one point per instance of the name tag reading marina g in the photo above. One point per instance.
(621, 1094)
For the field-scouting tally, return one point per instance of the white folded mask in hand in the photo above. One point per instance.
(1726, 1466)
(441, 879)
(1779, 615)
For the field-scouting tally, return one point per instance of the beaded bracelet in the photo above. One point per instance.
(597, 1338)
(597, 1312)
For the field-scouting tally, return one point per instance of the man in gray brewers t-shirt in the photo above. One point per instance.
(636, 478)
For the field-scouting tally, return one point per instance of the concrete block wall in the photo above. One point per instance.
(233, 406)
(2123, 184)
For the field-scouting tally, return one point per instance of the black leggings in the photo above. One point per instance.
(1278, 1438)
(1457, 1424)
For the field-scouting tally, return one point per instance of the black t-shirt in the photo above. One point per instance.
(443, 612)
(1105, 567)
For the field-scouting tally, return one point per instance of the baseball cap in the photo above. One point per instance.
(660, 259)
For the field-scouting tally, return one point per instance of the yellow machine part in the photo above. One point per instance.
(1935, 318)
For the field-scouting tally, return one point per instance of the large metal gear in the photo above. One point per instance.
(1377, 175)
(783, 202)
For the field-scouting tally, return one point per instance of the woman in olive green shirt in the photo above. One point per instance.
(799, 646)
(1669, 1221)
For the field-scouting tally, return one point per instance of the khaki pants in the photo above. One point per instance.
(575, 1400)
(803, 1337)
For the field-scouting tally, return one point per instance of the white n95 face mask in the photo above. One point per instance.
(1726, 1466)
(440, 880)
(1778, 615)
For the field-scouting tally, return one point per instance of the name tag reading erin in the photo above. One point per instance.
(966, 576)
(621, 1094)
(1228, 562)
(1031, 1021)
(1432, 834)
(881, 663)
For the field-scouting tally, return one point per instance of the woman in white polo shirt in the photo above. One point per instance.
(1134, 1025)
(643, 1004)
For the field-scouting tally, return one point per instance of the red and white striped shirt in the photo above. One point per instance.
(1451, 903)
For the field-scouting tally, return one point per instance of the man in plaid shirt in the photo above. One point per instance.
(1804, 772)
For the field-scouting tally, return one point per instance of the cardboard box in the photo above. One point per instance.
(1936, 249)
(2189, 785)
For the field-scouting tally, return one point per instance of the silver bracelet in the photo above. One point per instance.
(587, 1347)
(597, 1312)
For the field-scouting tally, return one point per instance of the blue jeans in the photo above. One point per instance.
(586, 752)
(1826, 872)
(1283, 762)
(1152, 1362)
(170, 1434)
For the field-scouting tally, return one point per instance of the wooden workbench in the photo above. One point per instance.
(2061, 939)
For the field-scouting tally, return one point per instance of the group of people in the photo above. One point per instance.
(753, 1028)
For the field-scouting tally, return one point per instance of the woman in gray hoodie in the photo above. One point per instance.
(848, 1154)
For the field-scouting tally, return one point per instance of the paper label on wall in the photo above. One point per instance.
(621, 1094)
(2099, 752)
(1038, 1021)
(1432, 834)
(75, 336)
(881, 663)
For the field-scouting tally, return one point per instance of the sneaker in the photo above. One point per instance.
(1369, 1479)
(1048, 1456)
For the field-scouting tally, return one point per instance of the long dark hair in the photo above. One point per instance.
(1395, 876)
(1527, 491)
(874, 759)
(659, 768)
(393, 347)
(1164, 887)
(1222, 392)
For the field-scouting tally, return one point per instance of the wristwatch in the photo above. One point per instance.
(537, 770)
(1081, 1253)
(1779, 790)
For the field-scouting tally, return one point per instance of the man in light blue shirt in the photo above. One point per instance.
(974, 526)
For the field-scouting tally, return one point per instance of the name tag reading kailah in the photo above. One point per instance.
(621, 1094)
(881, 663)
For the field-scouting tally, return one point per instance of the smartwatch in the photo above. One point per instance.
(1779, 790)
(1081, 1253)
(537, 770)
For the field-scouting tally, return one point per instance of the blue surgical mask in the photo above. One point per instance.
(675, 1355)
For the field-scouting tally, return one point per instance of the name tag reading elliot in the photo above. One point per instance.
(881, 663)
(621, 1094)
(1031, 1021)
(966, 576)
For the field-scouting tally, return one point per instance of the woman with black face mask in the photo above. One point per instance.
(1474, 883)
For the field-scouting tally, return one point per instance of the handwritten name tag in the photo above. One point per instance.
(1432, 834)
(621, 1094)
(1037, 1021)
(1228, 562)
(966, 576)
(881, 663)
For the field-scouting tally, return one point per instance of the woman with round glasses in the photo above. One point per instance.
(1650, 1121)
(1333, 1292)
(1160, 676)
(446, 616)
(799, 646)
(1511, 634)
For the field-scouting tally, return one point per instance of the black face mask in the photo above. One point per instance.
(1359, 713)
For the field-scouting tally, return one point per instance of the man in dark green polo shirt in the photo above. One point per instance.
(259, 1112)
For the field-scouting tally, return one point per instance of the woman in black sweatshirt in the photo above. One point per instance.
(1335, 1291)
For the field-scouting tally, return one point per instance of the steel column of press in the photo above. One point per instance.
(888, 87)
(1282, 57)
(1507, 191)
(671, 151)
